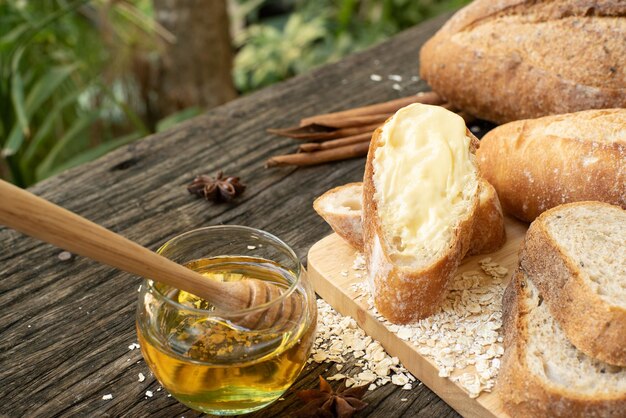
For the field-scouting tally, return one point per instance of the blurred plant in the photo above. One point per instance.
(64, 72)
(312, 33)
(75, 74)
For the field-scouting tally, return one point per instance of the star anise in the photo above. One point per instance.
(219, 189)
(324, 403)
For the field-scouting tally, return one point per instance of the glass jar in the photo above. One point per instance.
(213, 361)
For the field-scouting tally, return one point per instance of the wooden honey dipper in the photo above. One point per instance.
(39, 218)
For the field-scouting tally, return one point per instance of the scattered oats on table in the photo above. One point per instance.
(339, 336)
(465, 332)
(65, 256)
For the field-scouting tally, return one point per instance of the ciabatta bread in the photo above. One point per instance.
(341, 208)
(576, 256)
(420, 196)
(511, 59)
(542, 373)
(537, 164)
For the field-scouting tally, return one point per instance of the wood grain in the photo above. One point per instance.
(65, 326)
(39, 218)
(332, 255)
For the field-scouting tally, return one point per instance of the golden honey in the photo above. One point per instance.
(210, 363)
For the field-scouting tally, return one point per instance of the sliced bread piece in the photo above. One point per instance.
(542, 373)
(576, 255)
(488, 233)
(420, 196)
(341, 208)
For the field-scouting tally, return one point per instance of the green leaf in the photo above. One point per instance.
(10, 37)
(44, 169)
(17, 99)
(175, 118)
(45, 86)
(43, 131)
(95, 153)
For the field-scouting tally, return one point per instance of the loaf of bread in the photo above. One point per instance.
(576, 256)
(537, 164)
(420, 196)
(510, 59)
(341, 208)
(542, 373)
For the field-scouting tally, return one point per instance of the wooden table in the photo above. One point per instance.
(66, 326)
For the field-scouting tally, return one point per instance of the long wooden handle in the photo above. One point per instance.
(48, 222)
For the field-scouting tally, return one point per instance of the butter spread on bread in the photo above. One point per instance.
(341, 208)
(420, 197)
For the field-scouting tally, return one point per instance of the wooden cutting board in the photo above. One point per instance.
(331, 256)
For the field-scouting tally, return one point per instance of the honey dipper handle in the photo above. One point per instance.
(39, 218)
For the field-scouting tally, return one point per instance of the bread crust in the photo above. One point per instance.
(404, 295)
(525, 394)
(488, 232)
(534, 165)
(591, 324)
(348, 224)
(514, 59)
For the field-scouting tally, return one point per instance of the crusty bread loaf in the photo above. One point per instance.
(542, 373)
(512, 59)
(341, 208)
(420, 198)
(541, 163)
(576, 255)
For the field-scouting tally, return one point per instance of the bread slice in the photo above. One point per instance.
(576, 256)
(538, 164)
(341, 208)
(542, 373)
(420, 196)
(488, 233)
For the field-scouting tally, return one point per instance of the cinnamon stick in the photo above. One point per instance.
(376, 109)
(302, 133)
(335, 143)
(320, 157)
(348, 122)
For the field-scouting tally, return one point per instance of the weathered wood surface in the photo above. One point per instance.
(65, 326)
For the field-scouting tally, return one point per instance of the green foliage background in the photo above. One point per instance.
(318, 32)
(65, 86)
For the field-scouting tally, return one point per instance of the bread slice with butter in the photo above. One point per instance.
(542, 373)
(341, 207)
(420, 197)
